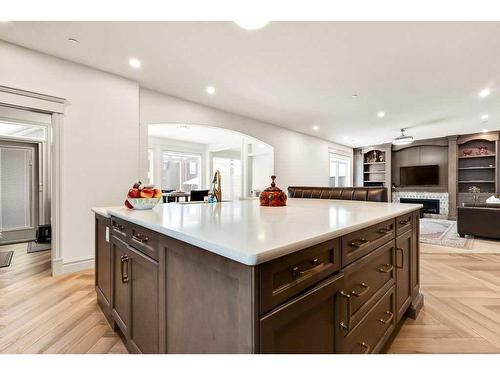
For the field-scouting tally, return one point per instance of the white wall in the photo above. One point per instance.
(99, 140)
(298, 159)
(103, 151)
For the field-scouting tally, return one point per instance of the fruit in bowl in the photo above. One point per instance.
(142, 196)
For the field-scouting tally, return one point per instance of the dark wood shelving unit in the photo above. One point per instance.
(374, 168)
(477, 166)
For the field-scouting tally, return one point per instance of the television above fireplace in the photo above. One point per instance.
(419, 175)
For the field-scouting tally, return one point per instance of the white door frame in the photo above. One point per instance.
(54, 106)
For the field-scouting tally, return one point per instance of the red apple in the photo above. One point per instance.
(157, 193)
(147, 193)
(127, 204)
(133, 193)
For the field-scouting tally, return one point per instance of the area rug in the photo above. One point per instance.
(443, 233)
(5, 258)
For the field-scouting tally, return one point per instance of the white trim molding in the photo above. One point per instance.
(60, 268)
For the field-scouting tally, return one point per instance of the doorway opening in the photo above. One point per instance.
(24, 183)
(183, 158)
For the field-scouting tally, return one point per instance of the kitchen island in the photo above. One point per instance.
(316, 276)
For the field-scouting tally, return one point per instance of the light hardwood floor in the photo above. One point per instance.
(42, 314)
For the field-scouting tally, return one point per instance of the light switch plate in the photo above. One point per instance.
(107, 234)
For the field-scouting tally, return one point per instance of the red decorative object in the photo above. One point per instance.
(273, 196)
(467, 152)
(483, 150)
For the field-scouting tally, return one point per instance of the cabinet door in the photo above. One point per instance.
(403, 274)
(121, 285)
(144, 303)
(103, 260)
(306, 324)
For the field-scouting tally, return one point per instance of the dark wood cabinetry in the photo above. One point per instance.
(403, 274)
(135, 300)
(103, 265)
(306, 324)
(345, 295)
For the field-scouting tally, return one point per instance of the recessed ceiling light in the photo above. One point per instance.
(484, 118)
(73, 40)
(183, 126)
(252, 24)
(485, 130)
(355, 96)
(135, 63)
(380, 114)
(210, 90)
(484, 93)
(316, 127)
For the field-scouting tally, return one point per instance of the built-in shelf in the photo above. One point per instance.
(477, 182)
(471, 168)
(476, 156)
(375, 162)
(374, 172)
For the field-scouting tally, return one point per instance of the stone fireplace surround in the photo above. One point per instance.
(443, 198)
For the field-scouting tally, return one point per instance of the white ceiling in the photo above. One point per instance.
(424, 75)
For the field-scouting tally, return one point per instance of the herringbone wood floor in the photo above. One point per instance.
(42, 314)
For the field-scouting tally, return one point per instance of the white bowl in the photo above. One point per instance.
(143, 203)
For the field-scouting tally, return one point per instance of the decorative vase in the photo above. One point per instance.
(273, 196)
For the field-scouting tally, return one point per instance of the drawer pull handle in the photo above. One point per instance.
(386, 268)
(118, 227)
(346, 325)
(316, 265)
(399, 249)
(140, 238)
(124, 268)
(388, 320)
(384, 230)
(365, 346)
(365, 290)
(404, 222)
(359, 243)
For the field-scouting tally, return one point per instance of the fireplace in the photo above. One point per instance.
(431, 206)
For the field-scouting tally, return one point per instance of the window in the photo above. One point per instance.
(230, 171)
(339, 170)
(180, 171)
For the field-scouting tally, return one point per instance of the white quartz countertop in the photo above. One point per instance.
(251, 234)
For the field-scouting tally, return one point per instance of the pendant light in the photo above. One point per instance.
(402, 139)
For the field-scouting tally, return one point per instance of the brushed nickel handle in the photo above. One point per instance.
(388, 320)
(365, 290)
(386, 268)
(402, 257)
(124, 268)
(316, 264)
(404, 222)
(359, 243)
(365, 346)
(140, 238)
(344, 325)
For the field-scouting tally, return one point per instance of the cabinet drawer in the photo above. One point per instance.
(144, 240)
(404, 223)
(285, 277)
(367, 279)
(119, 228)
(373, 330)
(357, 244)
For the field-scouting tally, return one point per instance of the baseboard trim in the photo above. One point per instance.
(59, 267)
